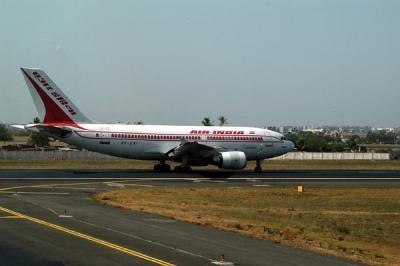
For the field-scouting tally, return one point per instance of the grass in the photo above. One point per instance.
(359, 224)
(270, 164)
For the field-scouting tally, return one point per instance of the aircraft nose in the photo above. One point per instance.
(290, 145)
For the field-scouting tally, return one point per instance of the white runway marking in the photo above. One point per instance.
(143, 239)
(116, 185)
(76, 188)
(225, 263)
(34, 193)
(209, 180)
(138, 185)
(65, 216)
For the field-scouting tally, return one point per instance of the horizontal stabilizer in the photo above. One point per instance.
(52, 131)
(18, 126)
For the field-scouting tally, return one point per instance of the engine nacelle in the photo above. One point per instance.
(231, 160)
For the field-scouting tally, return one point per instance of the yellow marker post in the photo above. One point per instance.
(300, 188)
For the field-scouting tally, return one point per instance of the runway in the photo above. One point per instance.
(312, 178)
(47, 217)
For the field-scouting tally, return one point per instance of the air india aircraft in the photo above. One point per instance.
(225, 147)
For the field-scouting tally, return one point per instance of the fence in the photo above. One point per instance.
(333, 156)
(55, 155)
(93, 156)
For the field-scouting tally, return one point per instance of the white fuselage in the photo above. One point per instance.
(226, 147)
(151, 142)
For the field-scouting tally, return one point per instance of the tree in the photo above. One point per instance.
(222, 120)
(380, 137)
(336, 147)
(5, 134)
(207, 122)
(307, 141)
(38, 139)
(352, 142)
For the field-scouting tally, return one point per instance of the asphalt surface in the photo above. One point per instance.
(47, 217)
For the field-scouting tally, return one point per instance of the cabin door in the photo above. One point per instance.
(105, 135)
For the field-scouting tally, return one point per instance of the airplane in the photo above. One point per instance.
(226, 147)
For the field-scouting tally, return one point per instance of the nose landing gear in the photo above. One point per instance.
(258, 168)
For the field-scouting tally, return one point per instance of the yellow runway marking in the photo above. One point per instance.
(89, 238)
(69, 184)
(10, 217)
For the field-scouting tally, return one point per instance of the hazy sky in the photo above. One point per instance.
(175, 62)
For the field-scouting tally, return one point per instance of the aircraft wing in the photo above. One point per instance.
(193, 149)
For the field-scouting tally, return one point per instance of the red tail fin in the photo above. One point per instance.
(53, 106)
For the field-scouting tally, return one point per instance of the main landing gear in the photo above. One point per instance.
(184, 167)
(162, 167)
(258, 168)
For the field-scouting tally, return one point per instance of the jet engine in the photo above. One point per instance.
(231, 160)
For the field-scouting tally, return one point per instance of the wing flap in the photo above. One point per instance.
(192, 149)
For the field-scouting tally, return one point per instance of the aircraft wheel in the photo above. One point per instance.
(166, 167)
(258, 169)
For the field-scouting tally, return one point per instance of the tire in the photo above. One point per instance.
(162, 168)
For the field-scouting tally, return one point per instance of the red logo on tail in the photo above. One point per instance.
(55, 95)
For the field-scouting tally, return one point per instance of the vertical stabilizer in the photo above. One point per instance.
(53, 106)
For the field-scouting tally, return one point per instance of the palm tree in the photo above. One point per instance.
(207, 122)
(222, 120)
